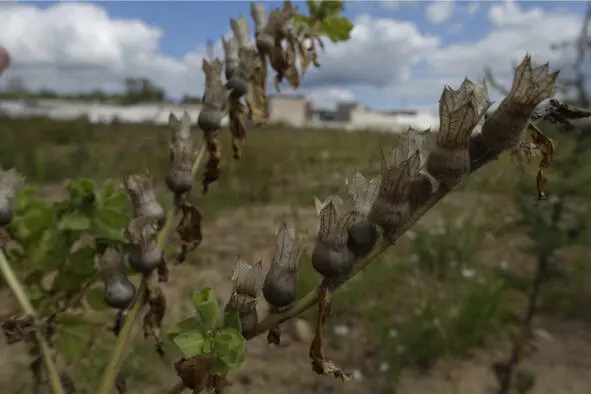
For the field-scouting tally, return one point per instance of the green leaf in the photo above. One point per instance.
(95, 299)
(229, 347)
(82, 261)
(74, 221)
(80, 188)
(336, 28)
(187, 325)
(232, 320)
(207, 307)
(51, 251)
(190, 343)
(73, 336)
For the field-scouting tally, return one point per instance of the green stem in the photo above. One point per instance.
(116, 359)
(21, 296)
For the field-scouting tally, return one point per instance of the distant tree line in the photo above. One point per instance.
(135, 90)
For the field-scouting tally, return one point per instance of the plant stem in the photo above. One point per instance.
(116, 359)
(21, 296)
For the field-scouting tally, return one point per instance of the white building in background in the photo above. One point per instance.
(295, 111)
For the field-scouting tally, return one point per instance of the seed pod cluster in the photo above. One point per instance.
(119, 291)
(10, 183)
(281, 283)
(505, 128)
(460, 111)
(247, 282)
(140, 188)
(145, 255)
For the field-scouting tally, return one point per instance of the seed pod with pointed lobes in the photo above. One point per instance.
(119, 291)
(145, 256)
(421, 190)
(506, 126)
(140, 188)
(247, 281)
(460, 111)
(281, 283)
(331, 257)
(181, 129)
(10, 183)
(362, 237)
(179, 178)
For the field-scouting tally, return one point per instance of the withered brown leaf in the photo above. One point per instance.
(213, 167)
(189, 228)
(194, 372)
(320, 364)
(153, 318)
(546, 146)
(237, 126)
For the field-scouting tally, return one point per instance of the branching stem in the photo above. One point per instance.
(116, 359)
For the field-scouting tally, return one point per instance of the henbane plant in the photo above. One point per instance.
(354, 228)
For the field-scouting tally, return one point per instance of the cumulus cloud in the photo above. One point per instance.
(515, 32)
(78, 46)
(381, 52)
(439, 11)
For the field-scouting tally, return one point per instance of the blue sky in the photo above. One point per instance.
(419, 42)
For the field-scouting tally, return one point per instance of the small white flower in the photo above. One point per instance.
(468, 273)
(504, 265)
(411, 235)
(437, 322)
(384, 367)
(400, 349)
(393, 333)
(357, 375)
(341, 330)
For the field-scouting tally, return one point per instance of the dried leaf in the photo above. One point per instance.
(153, 318)
(237, 126)
(189, 228)
(320, 364)
(163, 272)
(274, 336)
(194, 372)
(213, 167)
(546, 146)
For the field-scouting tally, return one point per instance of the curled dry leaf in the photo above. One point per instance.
(320, 364)
(189, 228)
(194, 372)
(152, 324)
(19, 328)
(238, 118)
(546, 147)
(561, 114)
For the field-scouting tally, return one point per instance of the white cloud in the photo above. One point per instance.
(515, 33)
(472, 8)
(381, 52)
(439, 11)
(78, 46)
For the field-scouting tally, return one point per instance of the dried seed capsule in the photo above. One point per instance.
(215, 99)
(10, 183)
(331, 257)
(119, 291)
(140, 188)
(505, 127)
(179, 178)
(460, 111)
(281, 283)
(392, 207)
(231, 58)
(145, 255)
(362, 233)
(181, 129)
(240, 80)
(247, 281)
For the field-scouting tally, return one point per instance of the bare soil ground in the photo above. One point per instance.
(562, 362)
